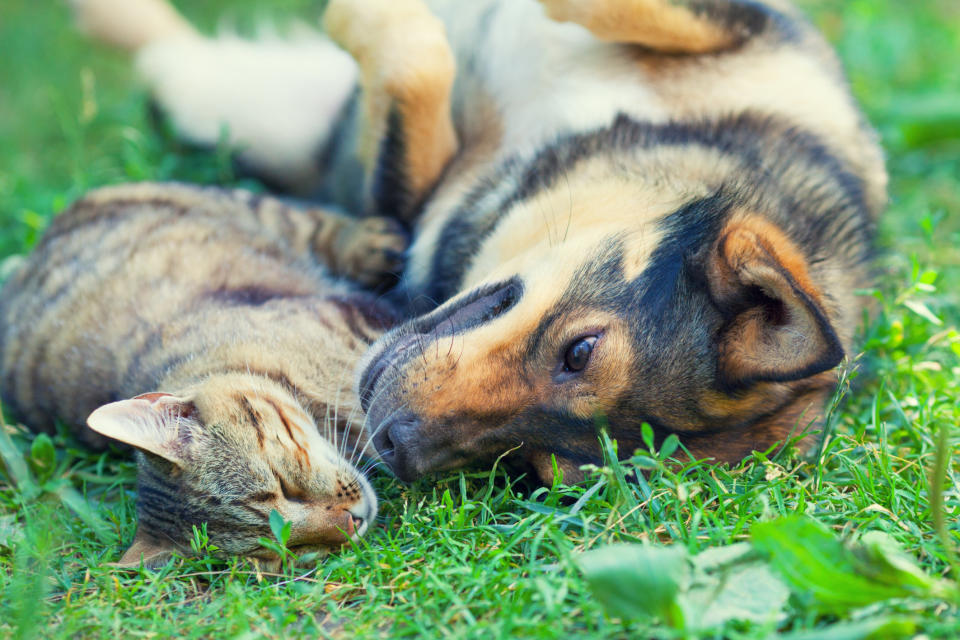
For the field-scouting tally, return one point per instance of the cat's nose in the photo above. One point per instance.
(328, 527)
(362, 517)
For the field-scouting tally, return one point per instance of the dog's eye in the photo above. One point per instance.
(578, 354)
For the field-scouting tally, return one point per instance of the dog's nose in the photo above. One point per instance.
(396, 443)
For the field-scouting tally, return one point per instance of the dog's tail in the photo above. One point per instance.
(130, 24)
(274, 99)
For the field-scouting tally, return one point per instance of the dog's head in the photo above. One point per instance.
(678, 286)
(706, 324)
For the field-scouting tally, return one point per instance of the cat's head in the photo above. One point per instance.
(226, 453)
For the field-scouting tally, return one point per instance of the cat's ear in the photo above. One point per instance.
(146, 550)
(778, 328)
(160, 423)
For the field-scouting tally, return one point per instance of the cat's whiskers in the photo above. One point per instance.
(341, 447)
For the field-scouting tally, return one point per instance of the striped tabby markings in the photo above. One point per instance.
(322, 505)
(301, 455)
(252, 416)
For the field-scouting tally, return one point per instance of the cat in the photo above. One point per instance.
(205, 328)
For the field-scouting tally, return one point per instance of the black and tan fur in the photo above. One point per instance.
(683, 190)
(200, 326)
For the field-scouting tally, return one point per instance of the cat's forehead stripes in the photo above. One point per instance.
(252, 417)
(274, 420)
(300, 453)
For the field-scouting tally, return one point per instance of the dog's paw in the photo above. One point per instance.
(372, 251)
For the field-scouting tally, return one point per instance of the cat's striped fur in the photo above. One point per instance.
(226, 349)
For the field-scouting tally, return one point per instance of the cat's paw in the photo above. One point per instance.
(372, 252)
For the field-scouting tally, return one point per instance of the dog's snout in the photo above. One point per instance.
(474, 309)
(477, 308)
(396, 444)
(384, 444)
(369, 380)
(392, 354)
(385, 384)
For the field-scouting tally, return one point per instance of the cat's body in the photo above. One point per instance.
(215, 299)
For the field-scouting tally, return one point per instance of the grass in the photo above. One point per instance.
(482, 554)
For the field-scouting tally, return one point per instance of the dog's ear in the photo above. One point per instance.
(777, 328)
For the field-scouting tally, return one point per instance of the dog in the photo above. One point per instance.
(623, 211)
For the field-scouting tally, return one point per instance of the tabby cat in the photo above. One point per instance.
(202, 324)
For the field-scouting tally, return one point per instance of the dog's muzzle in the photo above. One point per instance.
(396, 441)
(392, 418)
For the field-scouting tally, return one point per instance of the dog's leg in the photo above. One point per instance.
(406, 134)
(670, 26)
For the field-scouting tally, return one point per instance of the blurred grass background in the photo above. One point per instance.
(72, 117)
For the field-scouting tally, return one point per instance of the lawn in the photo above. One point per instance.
(485, 555)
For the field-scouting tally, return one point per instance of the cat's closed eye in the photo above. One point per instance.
(289, 491)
